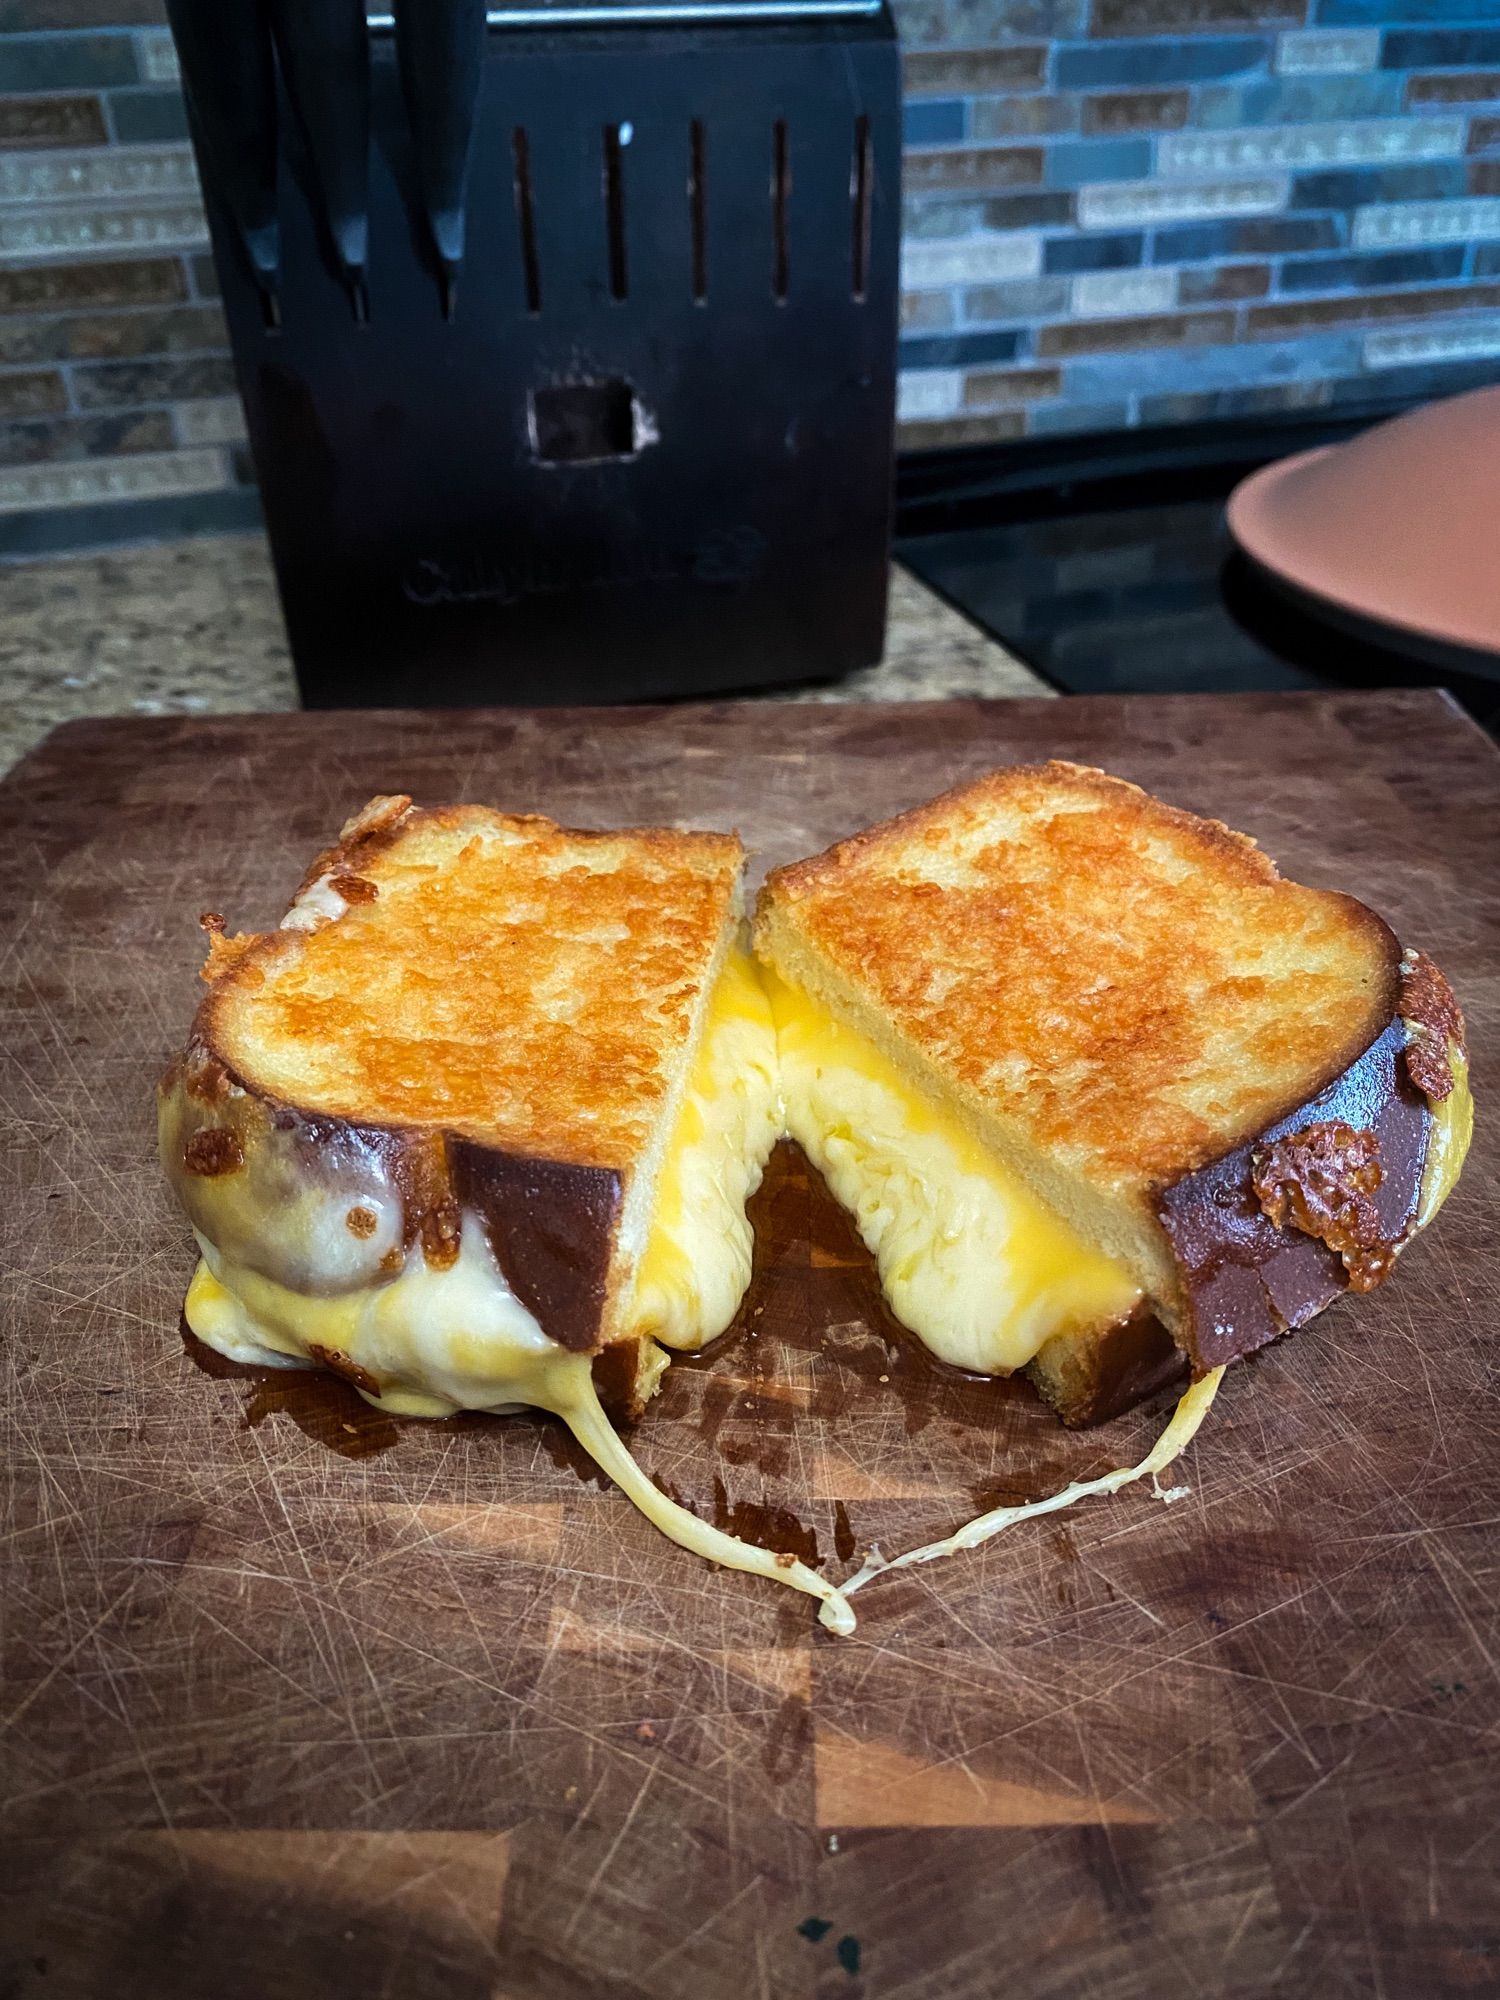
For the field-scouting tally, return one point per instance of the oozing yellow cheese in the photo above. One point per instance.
(1448, 1144)
(696, 1264)
(440, 1340)
(970, 1260)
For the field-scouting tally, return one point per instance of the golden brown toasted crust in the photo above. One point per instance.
(517, 982)
(472, 1013)
(1131, 988)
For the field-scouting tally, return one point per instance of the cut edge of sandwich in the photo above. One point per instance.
(970, 1261)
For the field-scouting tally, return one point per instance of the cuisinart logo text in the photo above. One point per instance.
(733, 556)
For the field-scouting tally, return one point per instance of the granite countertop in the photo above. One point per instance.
(193, 627)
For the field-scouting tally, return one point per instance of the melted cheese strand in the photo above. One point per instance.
(427, 1321)
(593, 1430)
(1179, 1433)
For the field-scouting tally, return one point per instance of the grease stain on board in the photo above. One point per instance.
(323, 1407)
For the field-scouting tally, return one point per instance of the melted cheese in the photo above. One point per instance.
(1174, 1440)
(319, 903)
(435, 1341)
(432, 1341)
(1448, 1142)
(970, 1260)
(696, 1263)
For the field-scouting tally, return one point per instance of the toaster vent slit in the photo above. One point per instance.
(616, 138)
(860, 186)
(781, 189)
(526, 218)
(697, 209)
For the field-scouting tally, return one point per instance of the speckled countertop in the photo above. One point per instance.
(193, 627)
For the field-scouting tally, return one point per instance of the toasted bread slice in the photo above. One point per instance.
(461, 1011)
(1113, 998)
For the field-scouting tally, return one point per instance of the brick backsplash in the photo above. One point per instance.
(1272, 207)
(73, 438)
(51, 121)
(1324, 51)
(1116, 212)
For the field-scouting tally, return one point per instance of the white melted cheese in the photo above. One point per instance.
(979, 1269)
(696, 1264)
(434, 1340)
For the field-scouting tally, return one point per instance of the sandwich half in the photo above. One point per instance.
(1109, 1099)
(475, 1127)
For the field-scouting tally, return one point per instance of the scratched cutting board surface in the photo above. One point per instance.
(301, 1701)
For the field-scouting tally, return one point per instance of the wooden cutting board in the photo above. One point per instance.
(301, 1701)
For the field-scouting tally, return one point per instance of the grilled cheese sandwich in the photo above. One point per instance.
(696, 1262)
(692, 1274)
(1106, 1098)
